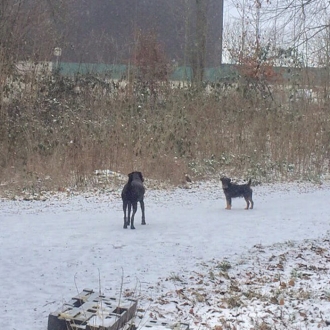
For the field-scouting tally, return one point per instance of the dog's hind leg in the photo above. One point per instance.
(228, 200)
(125, 203)
(143, 216)
(251, 201)
(129, 214)
(247, 202)
(133, 214)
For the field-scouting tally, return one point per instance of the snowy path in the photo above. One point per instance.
(48, 248)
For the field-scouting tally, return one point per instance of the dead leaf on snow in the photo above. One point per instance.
(280, 266)
(318, 250)
(199, 297)
(163, 302)
(225, 275)
(218, 327)
(274, 301)
(302, 266)
(235, 288)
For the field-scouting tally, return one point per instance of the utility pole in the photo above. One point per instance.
(199, 51)
(258, 6)
(221, 30)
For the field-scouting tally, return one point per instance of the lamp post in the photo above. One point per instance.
(57, 54)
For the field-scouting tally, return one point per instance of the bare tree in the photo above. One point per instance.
(28, 32)
(298, 22)
(151, 64)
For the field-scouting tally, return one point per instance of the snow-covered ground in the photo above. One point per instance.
(194, 261)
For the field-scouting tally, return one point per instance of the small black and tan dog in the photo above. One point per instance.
(233, 190)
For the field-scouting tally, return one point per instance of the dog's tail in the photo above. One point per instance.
(249, 182)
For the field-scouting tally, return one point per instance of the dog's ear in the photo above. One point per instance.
(141, 176)
(130, 177)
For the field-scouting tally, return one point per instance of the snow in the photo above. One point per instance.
(193, 262)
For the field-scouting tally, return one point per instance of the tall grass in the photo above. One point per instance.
(58, 131)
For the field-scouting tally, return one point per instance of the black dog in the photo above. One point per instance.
(232, 190)
(133, 192)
